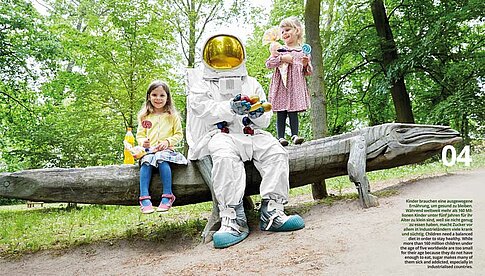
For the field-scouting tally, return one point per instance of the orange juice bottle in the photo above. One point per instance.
(128, 158)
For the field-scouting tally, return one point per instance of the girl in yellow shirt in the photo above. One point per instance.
(159, 130)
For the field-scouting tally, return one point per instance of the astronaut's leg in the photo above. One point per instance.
(228, 174)
(271, 160)
(228, 181)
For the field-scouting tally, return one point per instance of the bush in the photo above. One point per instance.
(10, 201)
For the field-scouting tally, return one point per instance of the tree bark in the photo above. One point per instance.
(317, 84)
(192, 39)
(400, 96)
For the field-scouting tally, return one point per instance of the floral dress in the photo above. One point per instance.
(294, 96)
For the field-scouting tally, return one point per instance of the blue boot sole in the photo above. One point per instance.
(226, 239)
(295, 222)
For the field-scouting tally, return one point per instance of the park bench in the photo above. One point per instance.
(31, 204)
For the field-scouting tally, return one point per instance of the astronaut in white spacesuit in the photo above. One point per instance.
(220, 125)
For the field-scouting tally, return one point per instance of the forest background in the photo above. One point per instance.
(73, 78)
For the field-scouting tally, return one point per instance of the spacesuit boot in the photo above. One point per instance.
(274, 219)
(234, 227)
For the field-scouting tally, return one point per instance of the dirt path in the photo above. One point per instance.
(341, 239)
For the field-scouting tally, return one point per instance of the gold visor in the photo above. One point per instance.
(223, 52)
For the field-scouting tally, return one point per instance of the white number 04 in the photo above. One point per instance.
(463, 157)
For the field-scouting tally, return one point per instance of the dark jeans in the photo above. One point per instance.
(281, 123)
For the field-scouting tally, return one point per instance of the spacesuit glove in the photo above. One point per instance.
(256, 113)
(240, 107)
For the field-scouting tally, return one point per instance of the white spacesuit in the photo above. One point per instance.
(215, 127)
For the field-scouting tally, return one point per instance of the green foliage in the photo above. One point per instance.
(10, 201)
(111, 52)
(440, 47)
(24, 43)
(442, 51)
(28, 58)
(358, 93)
(121, 47)
(74, 79)
(286, 8)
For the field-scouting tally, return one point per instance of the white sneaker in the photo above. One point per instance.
(297, 139)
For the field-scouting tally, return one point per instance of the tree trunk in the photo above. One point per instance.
(192, 40)
(465, 129)
(400, 96)
(317, 84)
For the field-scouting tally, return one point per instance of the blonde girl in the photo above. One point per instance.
(159, 130)
(289, 99)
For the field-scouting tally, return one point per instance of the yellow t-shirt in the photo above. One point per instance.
(164, 127)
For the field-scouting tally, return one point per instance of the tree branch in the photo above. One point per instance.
(432, 76)
(352, 39)
(17, 101)
(208, 19)
(395, 8)
(351, 71)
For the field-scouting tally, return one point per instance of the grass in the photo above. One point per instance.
(54, 226)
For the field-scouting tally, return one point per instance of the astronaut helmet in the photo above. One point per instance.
(224, 55)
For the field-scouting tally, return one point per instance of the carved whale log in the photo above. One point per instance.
(382, 146)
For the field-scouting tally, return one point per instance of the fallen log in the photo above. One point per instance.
(372, 148)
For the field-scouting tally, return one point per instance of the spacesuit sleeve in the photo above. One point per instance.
(203, 105)
(263, 121)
